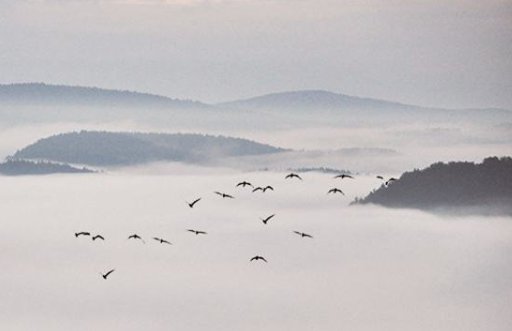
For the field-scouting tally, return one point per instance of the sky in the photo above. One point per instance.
(433, 53)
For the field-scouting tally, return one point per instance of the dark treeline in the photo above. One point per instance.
(22, 167)
(455, 184)
(118, 149)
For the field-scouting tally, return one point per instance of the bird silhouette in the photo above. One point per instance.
(257, 257)
(293, 175)
(380, 177)
(224, 195)
(335, 190)
(392, 179)
(98, 236)
(303, 235)
(258, 189)
(244, 184)
(342, 176)
(162, 241)
(268, 187)
(83, 233)
(107, 274)
(265, 220)
(191, 204)
(196, 231)
(136, 236)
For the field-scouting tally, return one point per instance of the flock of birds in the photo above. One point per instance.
(228, 196)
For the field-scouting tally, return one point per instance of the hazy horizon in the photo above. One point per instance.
(451, 54)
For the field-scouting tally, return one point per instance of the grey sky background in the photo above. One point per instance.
(436, 53)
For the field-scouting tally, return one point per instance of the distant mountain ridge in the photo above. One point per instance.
(47, 94)
(308, 99)
(100, 148)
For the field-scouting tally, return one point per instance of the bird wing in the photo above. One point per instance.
(195, 201)
(218, 193)
(201, 232)
(297, 232)
(156, 238)
(257, 189)
(268, 218)
(307, 235)
(109, 272)
(262, 258)
(268, 187)
(166, 242)
(229, 196)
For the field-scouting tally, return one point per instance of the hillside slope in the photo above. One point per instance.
(121, 148)
(451, 185)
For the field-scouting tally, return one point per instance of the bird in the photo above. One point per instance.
(191, 204)
(244, 184)
(335, 190)
(343, 176)
(258, 189)
(265, 220)
(196, 231)
(107, 274)
(162, 241)
(257, 257)
(380, 177)
(136, 236)
(302, 234)
(224, 195)
(392, 179)
(268, 187)
(98, 236)
(293, 175)
(83, 233)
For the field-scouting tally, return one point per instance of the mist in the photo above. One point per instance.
(366, 268)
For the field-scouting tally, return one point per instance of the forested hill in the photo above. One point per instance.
(120, 148)
(455, 184)
(23, 167)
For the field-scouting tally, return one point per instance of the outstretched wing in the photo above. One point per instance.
(108, 273)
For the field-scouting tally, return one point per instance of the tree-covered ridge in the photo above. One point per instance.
(40, 93)
(121, 148)
(454, 184)
(14, 167)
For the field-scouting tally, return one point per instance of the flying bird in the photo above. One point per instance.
(335, 190)
(224, 195)
(162, 241)
(196, 231)
(268, 187)
(258, 189)
(98, 236)
(244, 184)
(392, 179)
(83, 233)
(293, 175)
(302, 234)
(136, 236)
(107, 274)
(257, 257)
(191, 204)
(343, 176)
(265, 220)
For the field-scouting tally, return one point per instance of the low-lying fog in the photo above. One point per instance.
(366, 148)
(367, 268)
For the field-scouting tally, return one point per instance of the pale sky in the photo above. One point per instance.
(434, 53)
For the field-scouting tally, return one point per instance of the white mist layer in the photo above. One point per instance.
(367, 268)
